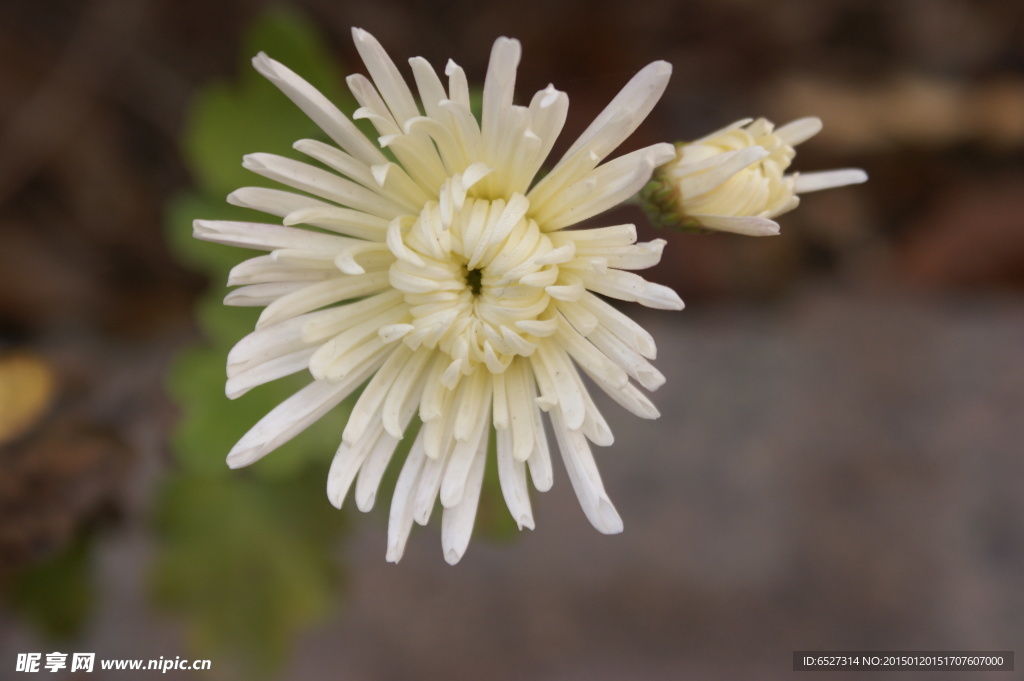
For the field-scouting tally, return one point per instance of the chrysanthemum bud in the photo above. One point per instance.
(734, 180)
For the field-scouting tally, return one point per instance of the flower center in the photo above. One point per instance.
(474, 277)
(474, 281)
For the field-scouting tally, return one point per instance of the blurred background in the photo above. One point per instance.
(838, 465)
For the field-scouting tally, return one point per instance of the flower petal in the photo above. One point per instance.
(457, 521)
(636, 100)
(389, 81)
(295, 414)
(586, 481)
(325, 114)
(813, 182)
(512, 477)
(750, 226)
(401, 516)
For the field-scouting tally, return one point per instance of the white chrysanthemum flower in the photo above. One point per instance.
(443, 272)
(734, 180)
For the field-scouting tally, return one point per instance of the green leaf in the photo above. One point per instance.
(56, 596)
(211, 424)
(227, 121)
(286, 35)
(244, 557)
(247, 563)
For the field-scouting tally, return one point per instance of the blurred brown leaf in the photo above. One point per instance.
(906, 109)
(972, 237)
(53, 484)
